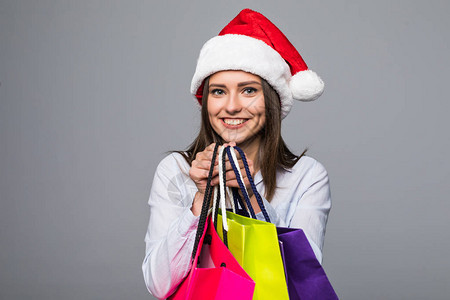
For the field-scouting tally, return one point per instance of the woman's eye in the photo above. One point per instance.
(249, 90)
(217, 92)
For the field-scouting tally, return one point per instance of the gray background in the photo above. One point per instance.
(94, 92)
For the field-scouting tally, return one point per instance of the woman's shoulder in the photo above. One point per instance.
(174, 161)
(293, 183)
(308, 166)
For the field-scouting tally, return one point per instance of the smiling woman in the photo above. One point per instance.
(246, 81)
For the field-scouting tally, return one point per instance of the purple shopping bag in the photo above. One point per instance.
(305, 276)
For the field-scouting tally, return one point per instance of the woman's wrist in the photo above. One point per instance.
(197, 203)
(255, 204)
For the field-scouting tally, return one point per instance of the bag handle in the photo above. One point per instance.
(232, 157)
(252, 184)
(239, 203)
(219, 201)
(206, 204)
(222, 187)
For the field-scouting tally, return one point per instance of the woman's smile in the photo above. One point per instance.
(233, 123)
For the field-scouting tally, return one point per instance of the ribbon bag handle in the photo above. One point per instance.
(233, 160)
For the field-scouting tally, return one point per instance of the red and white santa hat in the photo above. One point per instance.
(251, 43)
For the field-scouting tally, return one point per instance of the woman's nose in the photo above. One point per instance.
(233, 104)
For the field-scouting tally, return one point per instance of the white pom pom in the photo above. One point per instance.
(306, 86)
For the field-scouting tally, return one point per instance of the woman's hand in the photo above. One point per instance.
(199, 172)
(200, 168)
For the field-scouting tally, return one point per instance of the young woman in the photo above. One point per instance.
(246, 80)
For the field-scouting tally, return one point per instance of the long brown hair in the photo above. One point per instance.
(273, 152)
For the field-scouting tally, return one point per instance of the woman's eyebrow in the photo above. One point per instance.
(217, 85)
(239, 84)
(247, 83)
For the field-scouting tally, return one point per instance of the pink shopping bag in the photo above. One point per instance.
(215, 273)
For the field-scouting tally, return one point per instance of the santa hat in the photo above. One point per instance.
(251, 43)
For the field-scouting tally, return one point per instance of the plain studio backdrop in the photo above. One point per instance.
(93, 94)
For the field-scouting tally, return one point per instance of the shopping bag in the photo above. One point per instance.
(305, 276)
(215, 274)
(254, 244)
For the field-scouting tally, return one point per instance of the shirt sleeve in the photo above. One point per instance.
(312, 207)
(171, 230)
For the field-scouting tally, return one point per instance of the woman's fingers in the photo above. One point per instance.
(240, 165)
(200, 166)
(206, 157)
(198, 173)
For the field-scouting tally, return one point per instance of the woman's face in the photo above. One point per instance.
(236, 106)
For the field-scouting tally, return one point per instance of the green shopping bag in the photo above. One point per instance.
(255, 246)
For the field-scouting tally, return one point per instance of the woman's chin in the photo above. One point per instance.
(234, 141)
(237, 139)
(241, 142)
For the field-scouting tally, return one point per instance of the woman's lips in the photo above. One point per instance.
(233, 123)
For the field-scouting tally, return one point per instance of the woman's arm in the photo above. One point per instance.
(312, 203)
(171, 229)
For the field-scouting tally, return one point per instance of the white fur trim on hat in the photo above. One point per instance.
(306, 86)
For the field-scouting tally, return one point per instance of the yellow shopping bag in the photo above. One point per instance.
(255, 246)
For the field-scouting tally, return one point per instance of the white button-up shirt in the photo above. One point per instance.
(302, 200)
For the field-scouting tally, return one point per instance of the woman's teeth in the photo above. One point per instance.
(233, 121)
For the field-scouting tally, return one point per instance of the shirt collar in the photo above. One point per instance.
(258, 177)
